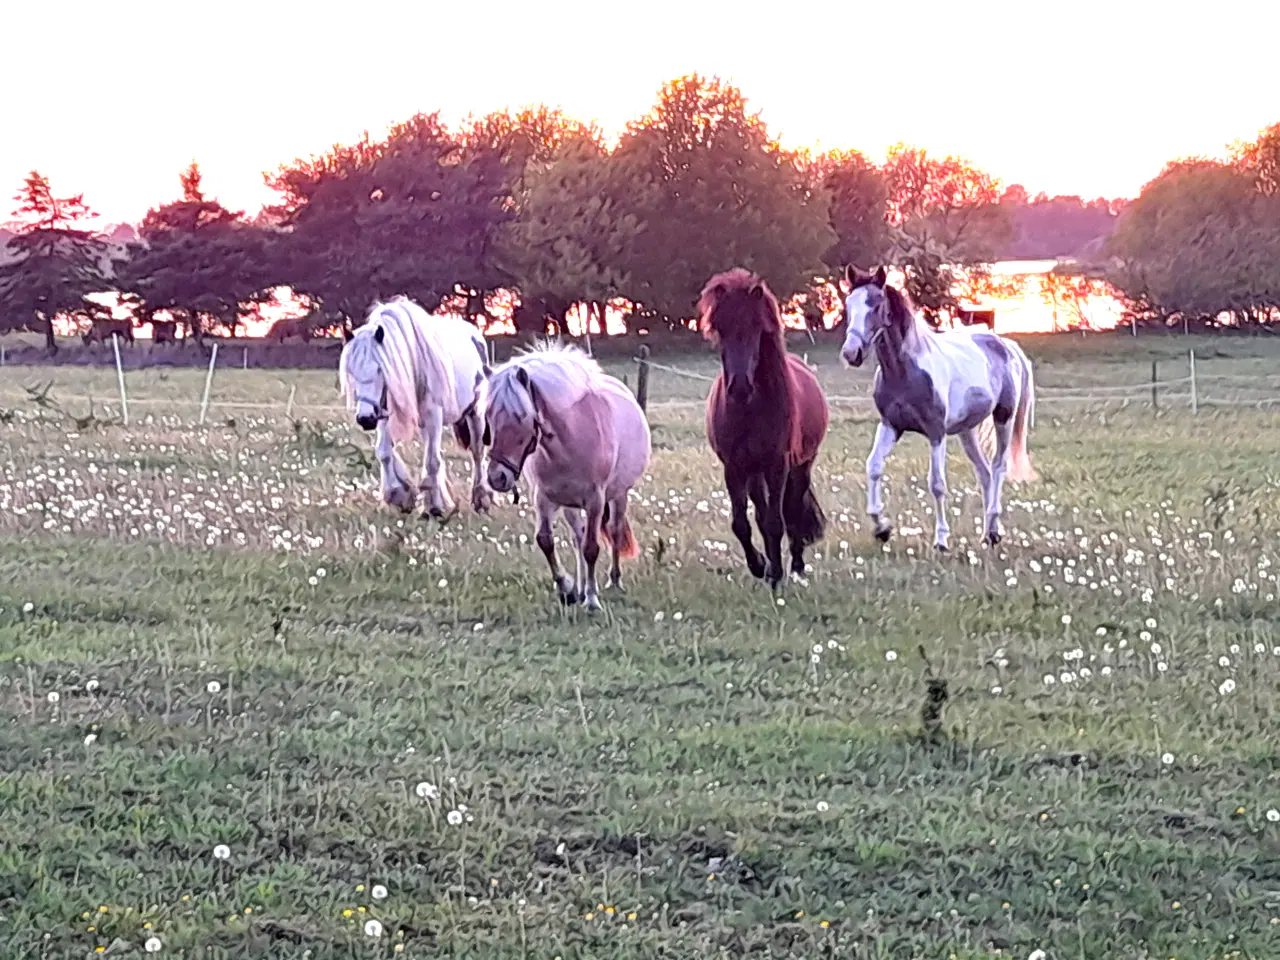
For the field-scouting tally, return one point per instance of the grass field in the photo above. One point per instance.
(248, 712)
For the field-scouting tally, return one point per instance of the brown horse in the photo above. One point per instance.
(766, 419)
(101, 330)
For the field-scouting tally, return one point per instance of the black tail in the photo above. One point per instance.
(801, 511)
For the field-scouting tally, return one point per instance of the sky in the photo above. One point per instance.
(1088, 98)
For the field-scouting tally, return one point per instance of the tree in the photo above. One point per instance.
(411, 214)
(1200, 241)
(941, 213)
(570, 241)
(859, 197)
(715, 191)
(197, 260)
(56, 262)
(1260, 158)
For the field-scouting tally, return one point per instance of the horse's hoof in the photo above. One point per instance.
(798, 566)
(616, 585)
(593, 604)
(991, 539)
(883, 534)
(756, 566)
(942, 548)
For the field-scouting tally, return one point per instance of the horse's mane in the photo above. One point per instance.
(561, 373)
(913, 331)
(738, 287)
(411, 358)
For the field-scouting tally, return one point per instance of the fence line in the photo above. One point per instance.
(1186, 388)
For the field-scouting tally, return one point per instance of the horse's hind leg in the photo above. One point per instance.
(587, 532)
(999, 467)
(545, 537)
(620, 536)
(938, 487)
(981, 468)
(736, 484)
(435, 483)
(886, 437)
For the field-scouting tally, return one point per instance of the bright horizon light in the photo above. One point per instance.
(1090, 100)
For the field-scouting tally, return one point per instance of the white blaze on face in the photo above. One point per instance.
(857, 338)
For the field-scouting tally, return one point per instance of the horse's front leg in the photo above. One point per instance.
(546, 512)
(999, 467)
(435, 484)
(886, 437)
(938, 487)
(397, 491)
(767, 496)
(481, 492)
(736, 484)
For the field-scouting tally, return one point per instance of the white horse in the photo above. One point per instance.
(585, 442)
(406, 371)
(939, 385)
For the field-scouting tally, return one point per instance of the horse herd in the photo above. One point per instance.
(553, 415)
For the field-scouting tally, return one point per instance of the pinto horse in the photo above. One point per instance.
(584, 442)
(939, 385)
(407, 372)
(766, 419)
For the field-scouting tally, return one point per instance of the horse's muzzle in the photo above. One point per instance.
(852, 356)
(738, 389)
(366, 421)
(501, 479)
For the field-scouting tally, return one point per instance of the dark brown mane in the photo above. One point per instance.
(900, 311)
(735, 300)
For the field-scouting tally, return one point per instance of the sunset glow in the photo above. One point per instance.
(1089, 99)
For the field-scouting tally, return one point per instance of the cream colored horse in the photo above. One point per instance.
(584, 442)
(407, 372)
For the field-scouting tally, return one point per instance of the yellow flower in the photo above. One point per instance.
(825, 923)
(399, 948)
(1177, 905)
(631, 916)
(610, 910)
(99, 949)
(102, 909)
(347, 912)
(799, 914)
(359, 888)
(147, 925)
(91, 929)
(361, 909)
(1239, 811)
(248, 909)
(588, 916)
(186, 897)
(85, 915)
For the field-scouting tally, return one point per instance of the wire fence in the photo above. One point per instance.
(1187, 392)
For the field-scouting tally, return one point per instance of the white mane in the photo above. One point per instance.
(562, 374)
(411, 359)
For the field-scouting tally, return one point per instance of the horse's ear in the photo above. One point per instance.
(757, 291)
(851, 276)
(881, 276)
(347, 334)
(378, 335)
(522, 375)
(487, 439)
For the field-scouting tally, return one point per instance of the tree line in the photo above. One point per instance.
(535, 202)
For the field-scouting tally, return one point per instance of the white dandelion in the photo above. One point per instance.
(222, 852)
(373, 928)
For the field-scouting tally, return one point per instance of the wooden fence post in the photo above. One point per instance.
(1155, 399)
(642, 378)
(208, 383)
(124, 401)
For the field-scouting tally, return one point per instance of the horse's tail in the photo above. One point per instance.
(1020, 469)
(628, 548)
(801, 511)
